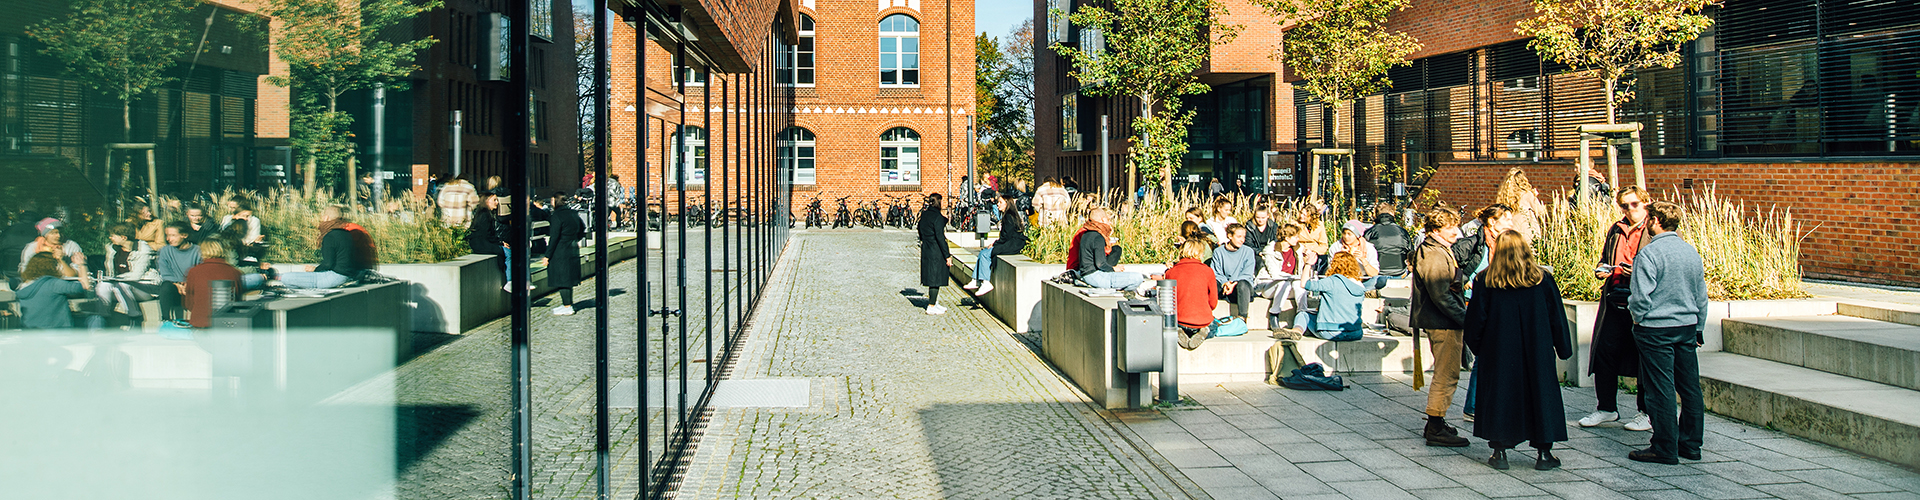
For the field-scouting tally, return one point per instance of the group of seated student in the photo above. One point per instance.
(181, 272)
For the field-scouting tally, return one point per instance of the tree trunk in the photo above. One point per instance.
(1610, 83)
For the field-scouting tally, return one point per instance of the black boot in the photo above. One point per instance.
(1499, 459)
(1546, 461)
(1438, 433)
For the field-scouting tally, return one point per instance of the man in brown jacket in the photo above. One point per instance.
(1439, 309)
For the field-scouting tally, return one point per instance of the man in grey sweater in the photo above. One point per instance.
(1669, 307)
(1233, 265)
(173, 261)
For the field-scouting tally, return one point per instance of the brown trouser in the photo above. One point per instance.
(1446, 370)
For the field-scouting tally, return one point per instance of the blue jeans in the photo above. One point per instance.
(983, 267)
(506, 255)
(1304, 319)
(322, 279)
(1113, 279)
(1473, 387)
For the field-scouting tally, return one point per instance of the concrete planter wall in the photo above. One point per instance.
(464, 293)
(1077, 338)
(1583, 314)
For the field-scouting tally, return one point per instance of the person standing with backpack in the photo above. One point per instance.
(1517, 326)
(935, 258)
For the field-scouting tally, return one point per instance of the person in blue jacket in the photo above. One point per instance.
(45, 290)
(1340, 291)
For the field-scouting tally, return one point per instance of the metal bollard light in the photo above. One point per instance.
(1170, 333)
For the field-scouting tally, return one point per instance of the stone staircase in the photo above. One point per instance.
(1850, 380)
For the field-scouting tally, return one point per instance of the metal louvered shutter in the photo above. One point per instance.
(1819, 77)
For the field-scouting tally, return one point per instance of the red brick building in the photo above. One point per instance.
(1242, 133)
(879, 97)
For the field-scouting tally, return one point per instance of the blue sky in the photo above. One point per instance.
(996, 18)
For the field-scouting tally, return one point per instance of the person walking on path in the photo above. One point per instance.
(563, 250)
(1012, 241)
(1096, 252)
(1517, 327)
(1233, 264)
(1193, 293)
(1614, 353)
(1669, 305)
(1439, 309)
(935, 258)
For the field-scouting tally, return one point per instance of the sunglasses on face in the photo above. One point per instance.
(1630, 206)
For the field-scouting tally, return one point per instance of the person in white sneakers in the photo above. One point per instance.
(1614, 352)
(1013, 240)
(563, 251)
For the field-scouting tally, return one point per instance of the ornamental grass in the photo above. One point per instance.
(1749, 253)
(1145, 229)
(409, 232)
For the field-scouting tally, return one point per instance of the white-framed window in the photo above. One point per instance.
(691, 74)
(899, 51)
(691, 162)
(796, 66)
(796, 154)
(900, 156)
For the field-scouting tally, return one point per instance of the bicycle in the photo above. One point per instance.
(816, 217)
(843, 217)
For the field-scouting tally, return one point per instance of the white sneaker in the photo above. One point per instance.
(1598, 417)
(936, 309)
(563, 311)
(1467, 417)
(971, 285)
(985, 286)
(507, 288)
(1640, 423)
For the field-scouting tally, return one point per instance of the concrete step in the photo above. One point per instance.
(1867, 417)
(1871, 350)
(1881, 311)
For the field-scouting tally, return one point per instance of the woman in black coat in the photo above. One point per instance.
(1517, 326)
(934, 256)
(564, 230)
(486, 236)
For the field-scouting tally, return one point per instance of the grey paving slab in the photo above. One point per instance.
(1497, 485)
(1888, 496)
(1338, 471)
(1375, 489)
(1582, 490)
(1743, 473)
(1713, 487)
(1800, 490)
(1460, 493)
(1840, 481)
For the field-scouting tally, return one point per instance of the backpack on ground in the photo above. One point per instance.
(1227, 327)
(1313, 378)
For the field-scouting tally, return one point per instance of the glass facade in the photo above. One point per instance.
(444, 281)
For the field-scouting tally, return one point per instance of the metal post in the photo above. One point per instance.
(379, 187)
(1639, 166)
(974, 196)
(1170, 336)
(1104, 159)
(602, 342)
(516, 141)
(456, 142)
(1585, 165)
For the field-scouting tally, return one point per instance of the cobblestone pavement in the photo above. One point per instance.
(453, 418)
(1253, 441)
(905, 405)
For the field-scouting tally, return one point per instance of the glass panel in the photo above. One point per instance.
(910, 44)
(889, 44)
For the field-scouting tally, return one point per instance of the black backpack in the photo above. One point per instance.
(1312, 378)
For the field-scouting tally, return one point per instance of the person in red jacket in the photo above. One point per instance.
(1195, 293)
(200, 278)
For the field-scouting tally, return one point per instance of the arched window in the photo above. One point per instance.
(692, 159)
(796, 154)
(796, 65)
(899, 51)
(900, 156)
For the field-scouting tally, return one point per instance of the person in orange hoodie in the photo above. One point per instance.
(1195, 293)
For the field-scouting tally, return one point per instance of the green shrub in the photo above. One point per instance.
(1749, 254)
(1145, 229)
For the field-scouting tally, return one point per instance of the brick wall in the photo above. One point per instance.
(1860, 215)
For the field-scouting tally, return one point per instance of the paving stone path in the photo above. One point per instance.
(906, 405)
(1254, 441)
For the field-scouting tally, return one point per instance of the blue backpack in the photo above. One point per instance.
(1312, 378)
(1227, 327)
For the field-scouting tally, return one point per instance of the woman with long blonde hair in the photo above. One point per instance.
(1516, 327)
(1518, 193)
